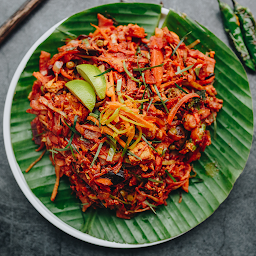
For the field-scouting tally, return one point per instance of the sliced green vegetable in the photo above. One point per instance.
(94, 115)
(111, 152)
(234, 32)
(197, 71)
(248, 28)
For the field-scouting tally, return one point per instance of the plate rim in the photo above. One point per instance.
(18, 175)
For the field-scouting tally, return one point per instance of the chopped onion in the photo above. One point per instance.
(57, 66)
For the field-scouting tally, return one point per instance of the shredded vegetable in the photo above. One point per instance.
(137, 145)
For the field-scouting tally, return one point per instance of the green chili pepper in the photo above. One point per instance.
(248, 28)
(232, 27)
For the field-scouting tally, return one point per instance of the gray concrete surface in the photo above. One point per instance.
(231, 230)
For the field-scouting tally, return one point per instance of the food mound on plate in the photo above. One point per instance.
(123, 116)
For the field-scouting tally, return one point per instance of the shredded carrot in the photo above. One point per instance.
(37, 160)
(157, 120)
(93, 119)
(179, 104)
(108, 131)
(116, 130)
(40, 147)
(170, 84)
(114, 105)
(131, 134)
(105, 117)
(137, 140)
(57, 182)
(156, 59)
(110, 89)
(65, 74)
(138, 119)
(104, 181)
(102, 32)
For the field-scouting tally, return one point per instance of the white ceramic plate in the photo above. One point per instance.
(16, 169)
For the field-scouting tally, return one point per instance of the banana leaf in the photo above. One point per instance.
(218, 168)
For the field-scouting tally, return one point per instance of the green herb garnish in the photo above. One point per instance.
(105, 72)
(160, 103)
(72, 128)
(53, 152)
(170, 175)
(158, 94)
(116, 198)
(180, 88)
(180, 42)
(111, 138)
(197, 71)
(183, 70)
(156, 141)
(97, 154)
(164, 150)
(144, 138)
(138, 51)
(150, 104)
(73, 147)
(143, 69)
(132, 154)
(125, 149)
(72, 152)
(157, 181)
(129, 74)
(111, 151)
(151, 206)
(94, 115)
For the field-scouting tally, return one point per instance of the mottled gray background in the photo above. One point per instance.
(231, 230)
